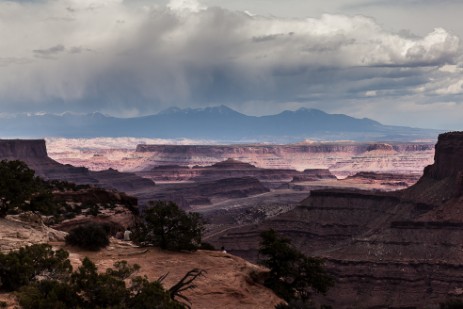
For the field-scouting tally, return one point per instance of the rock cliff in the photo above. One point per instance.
(387, 250)
(205, 192)
(448, 157)
(342, 158)
(21, 149)
(34, 153)
(231, 168)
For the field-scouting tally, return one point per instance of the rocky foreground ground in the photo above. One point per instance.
(227, 282)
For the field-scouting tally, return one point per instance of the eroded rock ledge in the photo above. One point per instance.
(402, 249)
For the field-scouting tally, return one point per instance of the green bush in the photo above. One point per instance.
(19, 268)
(151, 295)
(207, 246)
(43, 278)
(87, 288)
(293, 276)
(18, 185)
(100, 290)
(167, 226)
(91, 236)
(452, 304)
(49, 294)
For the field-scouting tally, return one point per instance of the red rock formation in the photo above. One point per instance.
(381, 179)
(342, 158)
(448, 156)
(232, 168)
(201, 193)
(387, 250)
(34, 153)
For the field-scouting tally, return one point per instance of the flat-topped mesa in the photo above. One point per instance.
(341, 158)
(34, 154)
(380, 146)
(448, 160)
(17, 149)
(233, 164)
(313, 174)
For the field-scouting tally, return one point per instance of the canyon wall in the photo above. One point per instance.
(34, 154)
(231, 168)
(17, 149)
(341, 158)
(398, 249)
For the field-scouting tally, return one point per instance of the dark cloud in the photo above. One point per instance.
(191, 56)
(49, 52)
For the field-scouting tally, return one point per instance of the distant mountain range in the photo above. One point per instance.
(215, 123)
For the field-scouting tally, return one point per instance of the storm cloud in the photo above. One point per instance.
(128, 59)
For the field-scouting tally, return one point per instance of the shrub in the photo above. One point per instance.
(100, 290)
(293, 276)
(207, 246)
(151, 295)
(49, 294)
(87, 288)
(167, 226)
(19, 268)
(18, 184)
(43, 278)
(91, 236)
(452, 304)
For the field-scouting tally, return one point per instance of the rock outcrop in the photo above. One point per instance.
(115, 210)
(228, 282)
(398, 249)
(24, 230)
(232, 168)
(34, 154)
(382, 179)
(447, 159)
(203, 193)
(342, 158)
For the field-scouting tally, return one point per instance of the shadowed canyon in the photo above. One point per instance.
(398, 249)
(390, 235)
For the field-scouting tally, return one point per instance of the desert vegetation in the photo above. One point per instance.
(43, 278)
(163, 224)
(167, 226)
(21, 190)
(452, 304)
(23, 267)
(292, 276)
(91, 236)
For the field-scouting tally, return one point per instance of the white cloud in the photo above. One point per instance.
(191, 5)
(454, 88)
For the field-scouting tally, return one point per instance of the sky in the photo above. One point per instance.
(395, 61)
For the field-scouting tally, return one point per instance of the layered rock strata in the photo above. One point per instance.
(204, 193)
(341, 158)
(34, 154)
(231, 168)
(400, 249)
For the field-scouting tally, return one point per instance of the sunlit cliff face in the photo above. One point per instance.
(342, 159)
